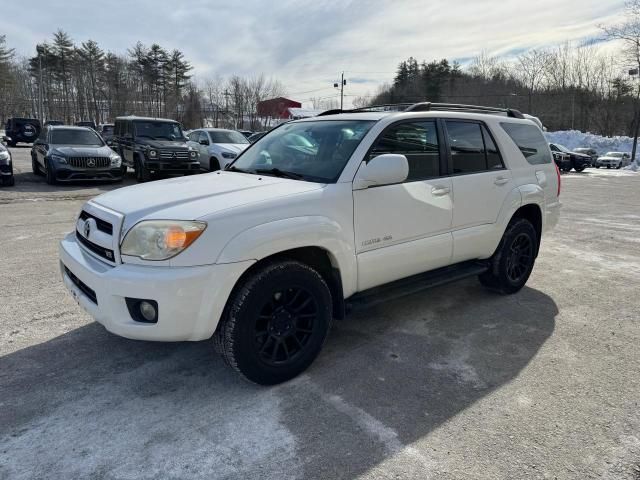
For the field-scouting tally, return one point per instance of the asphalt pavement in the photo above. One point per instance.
(452, 383)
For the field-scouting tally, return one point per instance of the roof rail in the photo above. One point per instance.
(426, 107)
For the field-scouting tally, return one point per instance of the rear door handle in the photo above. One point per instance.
(440, 191)
(500, 181)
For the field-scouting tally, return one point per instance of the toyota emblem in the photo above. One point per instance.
(87, 229)
(91, 162)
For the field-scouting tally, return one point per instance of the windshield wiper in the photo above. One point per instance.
(280, 173)
(233, 168)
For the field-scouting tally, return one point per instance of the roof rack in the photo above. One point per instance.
(428, 106)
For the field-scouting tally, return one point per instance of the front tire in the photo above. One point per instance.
(214, 164)
(50, 174)
(275, 322)
(35, 167)
(512, 263)
(142, 174)
(579, 169)
(619, 166)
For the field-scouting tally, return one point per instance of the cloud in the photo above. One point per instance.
(304, 43)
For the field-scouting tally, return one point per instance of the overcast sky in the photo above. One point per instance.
(306, 44)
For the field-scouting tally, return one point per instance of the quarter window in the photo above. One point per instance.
(531, 142)
(418, 141)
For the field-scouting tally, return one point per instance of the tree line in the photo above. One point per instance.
(75, 82)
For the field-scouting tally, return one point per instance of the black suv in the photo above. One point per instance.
(22, 130)
(577, 161)
(66, 154)
(153, 146)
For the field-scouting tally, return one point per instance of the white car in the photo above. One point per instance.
(263, 256)
(613, 159)
(217, 147)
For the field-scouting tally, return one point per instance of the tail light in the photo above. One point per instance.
(558, 175)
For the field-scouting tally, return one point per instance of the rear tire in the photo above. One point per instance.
(579, 169)
(608, 167)
(513, 261)
(275, 322)
(597, 166)
(619, 166)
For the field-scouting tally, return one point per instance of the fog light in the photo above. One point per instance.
(148, 311)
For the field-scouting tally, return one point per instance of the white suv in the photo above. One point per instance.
(318, 215)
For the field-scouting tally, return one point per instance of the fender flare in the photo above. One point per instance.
(267, 239)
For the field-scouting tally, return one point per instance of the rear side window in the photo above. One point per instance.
(530, 141)
(418, 141)
(472, 148)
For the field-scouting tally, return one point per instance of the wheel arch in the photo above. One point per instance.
(533, 213)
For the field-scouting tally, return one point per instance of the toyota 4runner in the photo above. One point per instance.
(369, 204)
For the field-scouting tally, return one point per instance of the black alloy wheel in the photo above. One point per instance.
(520, 257)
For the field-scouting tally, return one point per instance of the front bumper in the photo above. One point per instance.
(164, 166)
(64, 173)
(190, 299)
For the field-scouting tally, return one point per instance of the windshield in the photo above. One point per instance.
(107, 129)
(316, 151)
(75, 137)
(614, 154)
(229, 136)
(161, 130)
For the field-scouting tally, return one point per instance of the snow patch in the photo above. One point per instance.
(575, 139)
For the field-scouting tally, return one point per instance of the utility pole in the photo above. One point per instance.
(343, 82)
(634, 72)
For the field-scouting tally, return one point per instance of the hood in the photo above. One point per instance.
(232, 147)
(161, 143)
(193, 197)
(581, 155)
(83, 151)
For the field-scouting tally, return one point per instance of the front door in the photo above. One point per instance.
(404, 229)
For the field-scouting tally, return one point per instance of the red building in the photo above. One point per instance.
(277, 107)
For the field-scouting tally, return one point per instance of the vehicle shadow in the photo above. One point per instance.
(90, 404)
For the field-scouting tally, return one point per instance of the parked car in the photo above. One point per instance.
(613, 160)
(246, 133)
(217, 147)
(262, 256)
(53, 122)
(562, 160)
(106, 131)
(577, 161)
(68, 154)
(253, 138)
(593, 155)
(89, 124)
(153, 146)
(22, 130)
(6, 165)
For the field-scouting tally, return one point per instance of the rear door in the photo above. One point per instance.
(481, 184)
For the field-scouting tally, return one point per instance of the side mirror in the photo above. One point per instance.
(204, 141)
(382, 170)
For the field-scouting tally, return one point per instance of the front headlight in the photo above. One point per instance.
(59, 159)
(116, 161)
(228, 155)
(193, 154)
(5, 159)
(160, 239)
(153, 153)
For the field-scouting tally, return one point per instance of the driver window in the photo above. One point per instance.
(418, 141)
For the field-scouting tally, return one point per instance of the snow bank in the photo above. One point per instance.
(574, 139)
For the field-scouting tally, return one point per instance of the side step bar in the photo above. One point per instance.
(414, 284)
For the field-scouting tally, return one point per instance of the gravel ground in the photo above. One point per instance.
(452, 383)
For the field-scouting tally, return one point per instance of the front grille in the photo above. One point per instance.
(173, 154)
(84, 288)
(97, 249)
(103, 226)
(89, 162)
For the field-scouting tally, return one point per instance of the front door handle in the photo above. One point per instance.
(440, 191)
(500, 181)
